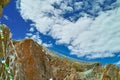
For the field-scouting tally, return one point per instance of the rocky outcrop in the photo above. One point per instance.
(111, 72)
(7, 54)
(27, 60)
(33, 63)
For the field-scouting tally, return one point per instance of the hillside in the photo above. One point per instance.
(27, 60)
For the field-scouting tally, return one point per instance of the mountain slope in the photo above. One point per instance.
(27, 60)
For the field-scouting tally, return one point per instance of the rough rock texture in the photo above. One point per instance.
(50, 66)
(33, 63)
(28, 60)
(7, 54)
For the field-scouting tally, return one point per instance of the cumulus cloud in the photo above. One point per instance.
(32, 28)
(6, 17)
(35, 37)
(47, 45)
(86, 37)
(117, 63)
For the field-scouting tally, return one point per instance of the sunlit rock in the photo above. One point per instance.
(27, 60)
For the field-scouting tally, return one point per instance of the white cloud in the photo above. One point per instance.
(6, 17)
(35, 37)
(92, 38)
(38, 39)
(117, 63)
(47, 45)
(78, 5)
(29, 34)
(32, 29)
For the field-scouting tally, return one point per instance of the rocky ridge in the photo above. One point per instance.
(27, 60)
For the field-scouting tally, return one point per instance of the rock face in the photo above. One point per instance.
(7, 54)
(33, 63)
(27, 60)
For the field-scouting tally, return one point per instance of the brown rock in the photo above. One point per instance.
(34, 64)
(28, 60)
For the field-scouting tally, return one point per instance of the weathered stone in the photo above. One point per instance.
(28, 60)
(35, 65)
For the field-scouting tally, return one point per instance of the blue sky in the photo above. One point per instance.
(86, 30)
